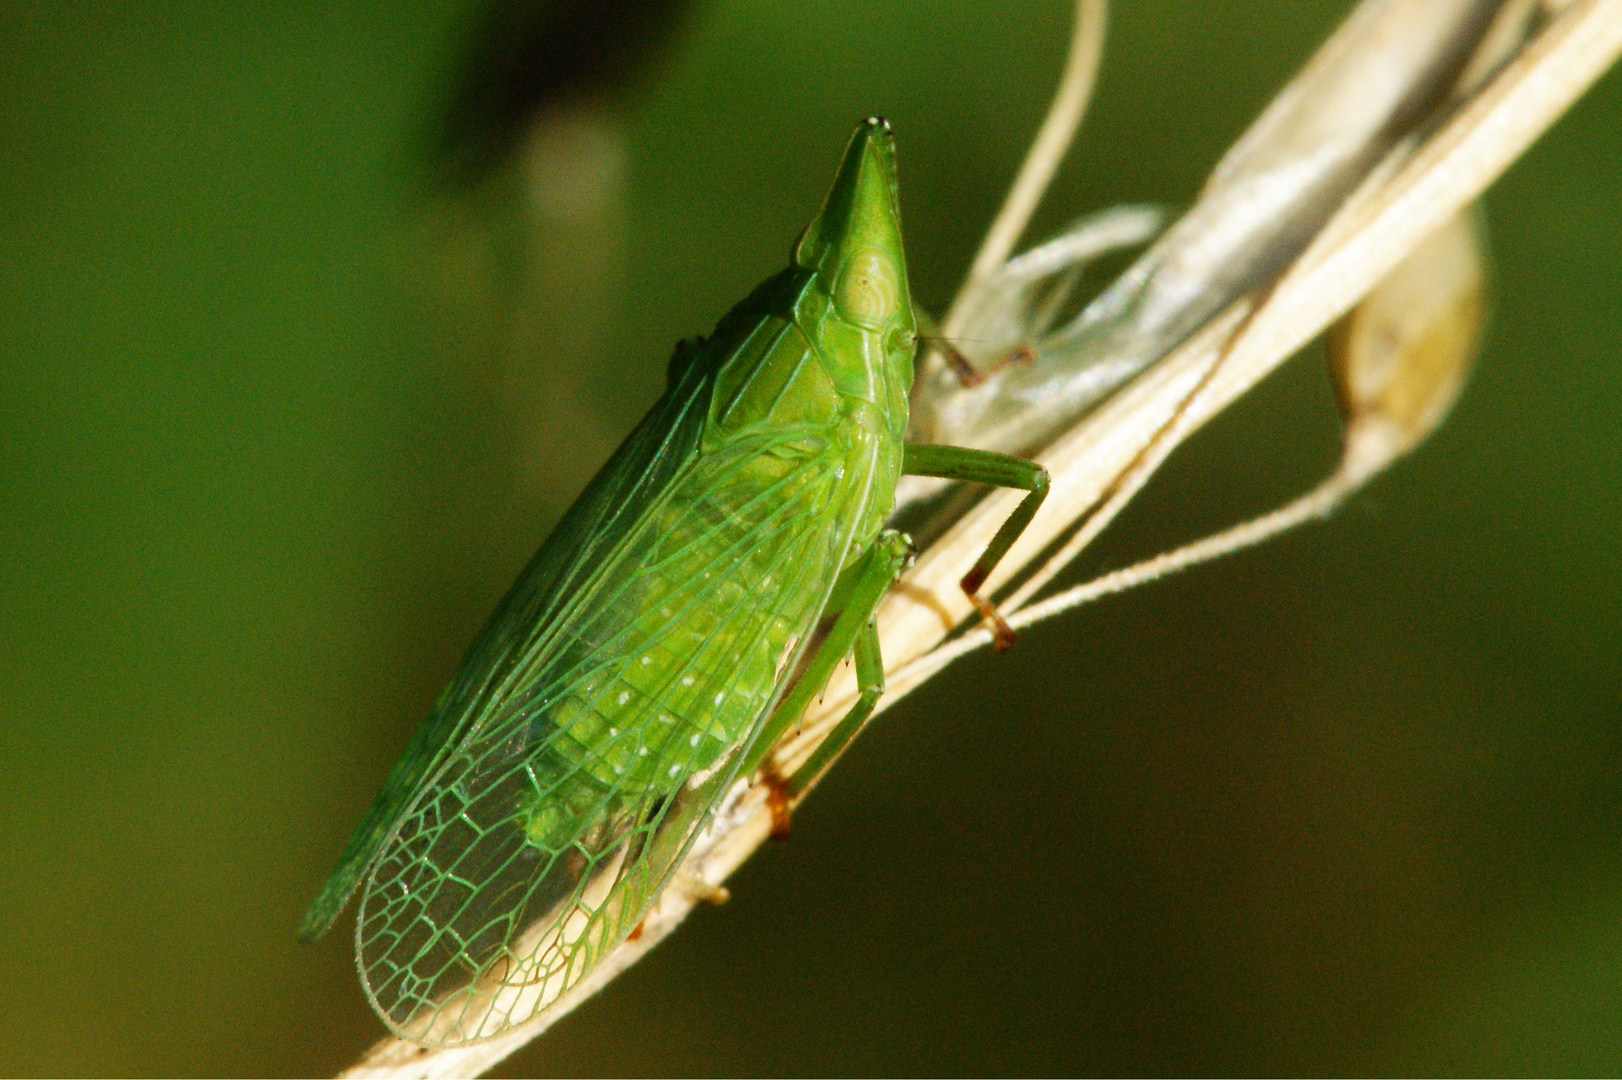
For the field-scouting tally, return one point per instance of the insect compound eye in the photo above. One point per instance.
(869, 290)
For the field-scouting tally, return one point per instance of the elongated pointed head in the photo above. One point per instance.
(854, 247)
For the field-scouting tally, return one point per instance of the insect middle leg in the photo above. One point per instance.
(853, 631)
(985, 467)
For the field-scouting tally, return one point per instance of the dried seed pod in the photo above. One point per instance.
(1400, 357)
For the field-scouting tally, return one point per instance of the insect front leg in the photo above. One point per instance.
(854, 631)
(985, 467)
(961, 367)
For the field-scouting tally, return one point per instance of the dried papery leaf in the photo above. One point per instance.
(1377, 80)
(1380, 77)
(1399, 360)
(1516, 21)
(1013, 304)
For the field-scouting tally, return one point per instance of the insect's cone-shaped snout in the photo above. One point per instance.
(860, 216)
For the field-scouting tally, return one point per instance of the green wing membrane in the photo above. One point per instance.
(636, 476)
(545, 835)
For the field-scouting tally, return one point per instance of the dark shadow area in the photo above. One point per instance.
(523, 57)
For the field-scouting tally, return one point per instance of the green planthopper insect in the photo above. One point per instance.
(647, 656)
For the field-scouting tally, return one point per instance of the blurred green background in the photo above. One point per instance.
(282, 416)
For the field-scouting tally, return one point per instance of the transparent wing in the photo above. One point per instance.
(634, 480)
(544, 837)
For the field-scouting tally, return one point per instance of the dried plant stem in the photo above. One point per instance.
(1099, 462)
(1052, 143)
(1318, 503)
